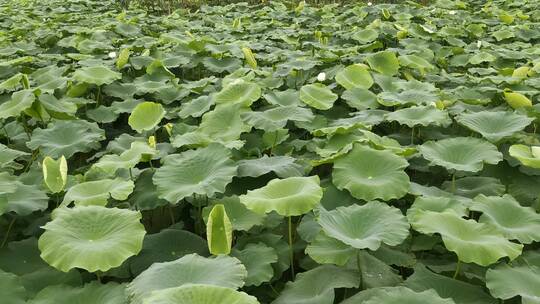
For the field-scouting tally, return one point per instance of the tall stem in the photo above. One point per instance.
(7, 233)
(291, 250)
(412, 136)
(458, 266)
(454, 182)
(359, 269)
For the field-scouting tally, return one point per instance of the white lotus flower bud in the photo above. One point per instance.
(452, 12)
(369, 3)
(321, 76)
(478, 43)
(112, 55)
(433, 104)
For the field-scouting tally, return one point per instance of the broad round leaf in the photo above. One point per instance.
(288, 197)
(366, 226)
(354, 76)
(199, 294)
(146, 116)
(494, 125)
(528, 156)
(203, 171)
(371, 174)
(11, 289)
(91, 293)
(241, 217)
(258, 259)
(19, 102)
(221, 271)
(420, 115)
(398, 295)
(239, 92)
(327, 250)
(97, 75)
(66, 137)
(472, 242)
(509, 217)
(317, 96)
(283, 166)
(277, 117)
(384, 62)
(505, 282)
(461, 153)
(98, 192)
(91, 237)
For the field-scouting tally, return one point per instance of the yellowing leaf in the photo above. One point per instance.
(219, 231)
(55, 173)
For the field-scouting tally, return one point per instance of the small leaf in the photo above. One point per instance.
(384, 62)
(517, 100)
(55, 173)
(123, 58)
(250, 57)
(146, 116)
(219, 231)
(318, 96)
(354, 76)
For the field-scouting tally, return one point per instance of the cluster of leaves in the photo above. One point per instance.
(355, 154)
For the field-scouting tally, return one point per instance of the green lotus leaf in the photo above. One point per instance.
(222, 65)
(472, 242)
(494, 125)
(395, 295)
(277, 117)
(354, 76)
(98, 192)
(288, 197)
(528, 156)
(11, 289)
(20, 198)
(55, 173)
(221, 271)
(98, 75)
(415, 62)
(258, 259)
(146, 116)
(461, 292)
(375, 273)
(283, 166)
(371, 174)
(66, 137)
(94, 292)
(139, 151)
(196, 107)
(283, 98)
(219, 231)
(199, 294)
(204, 171)
(58, 108)
(316, 286)
(460, 153)
(8, 158)
(407, 97)
(509, 217)
(19, 102)
(505, 282)
(471, 186)
(517, 100)
(145, 196)
(366, 226)
(241, 218)
(327, 250)
(166, 245)
(437, 204)
(11, 83)
(360, 99)
(365, 36)
(420, 115)
(239, 92)
(384, 62)
(317, 96)
(91, 237)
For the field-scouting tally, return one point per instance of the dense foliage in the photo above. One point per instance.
(341, 154)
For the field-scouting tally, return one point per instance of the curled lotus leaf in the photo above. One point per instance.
(91, 237)
(420, 115)
(528, 156)
(98, 75)
(146, 116)
(354, 76)
(317, 96)
(384, 62)
(473, 242)
(288, 197)
(505, 282)
(98, 192)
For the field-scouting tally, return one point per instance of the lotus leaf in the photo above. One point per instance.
(258, 259)
(317, 96)
(528, 156)
(494, 125)
(283, 166)
(98, 75)
(288, 197)
(239, 92)
(91, 237)
(146, 116)
(354, 76)
(19, 102)
(55, 173)
(98, 192)
(460, 153)
(472, 242)
(110, 293)
(371, 174)
(505, 282)
(199, 294)
(384, 62)
(420, 115)
(219, 231)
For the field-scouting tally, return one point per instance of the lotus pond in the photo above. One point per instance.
(238, 154)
